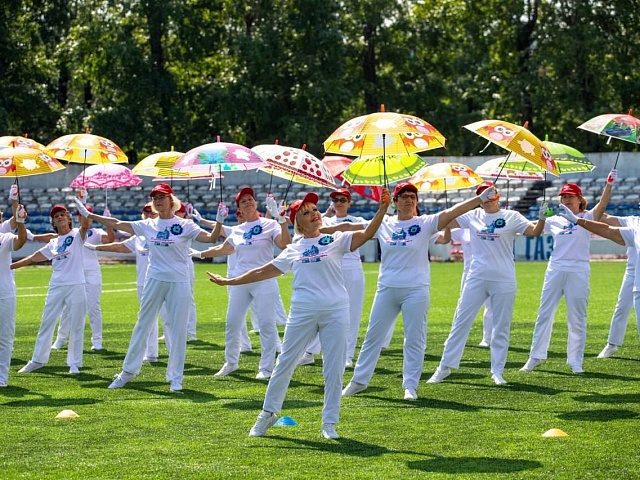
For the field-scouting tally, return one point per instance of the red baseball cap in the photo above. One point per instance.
(570, 189)
(58, 208)
(483, 186)
(161, 188)
(182, 208)
(147, 207)
(244, 191)
(340, 191)
(403, 186)
(296, 204)
(87, 207)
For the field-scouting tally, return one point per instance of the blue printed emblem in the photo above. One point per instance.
(326, 240)
(414, 230)
(164, 235)
(176, 229)
(255, 230)
(311, 255)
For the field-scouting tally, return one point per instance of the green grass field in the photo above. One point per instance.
(465, 427)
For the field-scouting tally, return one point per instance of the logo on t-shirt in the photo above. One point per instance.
(568, 229)
(62, 248)
(163, 238)
(311, 255)
(489, 231)
(326, 240)
(252, 232)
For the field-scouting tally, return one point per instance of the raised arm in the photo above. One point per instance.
(360, 237)
(106, 221)
(447, 216)
(599, 228)
(255, 275)
(601, 206)
(218, 251)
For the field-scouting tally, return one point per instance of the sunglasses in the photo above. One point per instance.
(340, 200)
(409, 196)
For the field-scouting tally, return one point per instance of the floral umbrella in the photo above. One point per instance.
(444, 177)
(615, 125)
(159, 164)
(296, 165)
(337, 164)
(379, 170)
(11, 141)
(516, 139)
(85, 148)
(495, 168)
(107, 175)
(220, 156)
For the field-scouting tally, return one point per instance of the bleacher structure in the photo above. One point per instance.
(126, 203)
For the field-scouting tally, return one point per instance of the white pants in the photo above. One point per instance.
(71, 297)
(240, 298)
(474, 294)
(93, 292)
(152, 340)
(302, 326)
(7, 334)
(193, 315)
(575, 288)
(388, 302)
(155, 294)
(622, 311)
(354, 283)
(281, 314)
(487, 317)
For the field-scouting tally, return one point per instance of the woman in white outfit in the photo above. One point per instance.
(93, 286)
(168, 278)
(319, 304)
(624, 305)
(8, 244)
(66, 290)
(403, 286)
(491, 276)
(567, 274)
(252, 242)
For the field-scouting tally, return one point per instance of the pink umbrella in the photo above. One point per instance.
(106, 175)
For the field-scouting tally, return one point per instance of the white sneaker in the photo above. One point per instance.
(484, 343)
(176, 386)
(352, 388)
(149, 359)
(31, 366)
(531, 364)
(246, 350)
(608, 351)
(577, 370)
(96, 347)
(329, 431)
(121, 379)
(74, 370)
(348, 363)
(307, 359)
(410, 394)
(58, 344)
(263, 375)
(226, 369)
(439, 375)
(498, 380)
(263, 422)
(192, 338)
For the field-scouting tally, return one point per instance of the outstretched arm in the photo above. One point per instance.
(36, 257)
(599, 228)
(109, 222)
(447, 216)
(255, 275)
(359, 238)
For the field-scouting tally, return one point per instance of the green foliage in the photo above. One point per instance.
(155, 74)
(465, 426)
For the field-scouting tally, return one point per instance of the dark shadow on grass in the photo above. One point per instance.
(598, 415)
(613, 398)
(204, 345)
(470, 465)
(51, 402)
(162, 389)
(344, 446)
(256, 405)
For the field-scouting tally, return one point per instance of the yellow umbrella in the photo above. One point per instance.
(445, 176)
(12, 141)
(86, 148)
(22, 161)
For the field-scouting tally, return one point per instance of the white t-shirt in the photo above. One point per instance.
(66, 255)
(169, 242)
(351, 260)
(631, 237)
(7, 284)
(404, 246)
(491, 238)
(253, 243)
(632, 257)
(316, 264)
(463, 237)
(570, 243)
(92, 272)
(139, 246)
(5, 227)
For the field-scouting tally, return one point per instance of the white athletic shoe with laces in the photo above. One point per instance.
(121, 379)
(498, 380)
(608, 351)
(531, 364)
(352, 388)
(307, 359)
(329, 431)
(74, 370)
(226, 369)
(263, 422)
(410, 394)
(263, 375)
(30, 367)
(176, 386)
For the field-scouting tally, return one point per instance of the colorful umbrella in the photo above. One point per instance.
(384, 133)
(107, 175)
(515, 139)
(369, 191)
(445, 176)
(337, 164)
(85, 148)
(11, 141)
(495, 168)
(379, 170)
(220, 157)
(568, 160)
(22, 161)
(615, 125)
(159, 165)
(296, 165)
